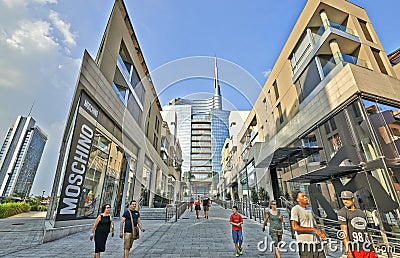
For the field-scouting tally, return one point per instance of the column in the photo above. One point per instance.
(324, 18)
(337, 54)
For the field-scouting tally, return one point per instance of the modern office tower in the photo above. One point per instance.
(202, 130)
(327, 118)
(111, 147)
(20, 156)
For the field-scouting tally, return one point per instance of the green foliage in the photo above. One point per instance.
(228, 196)
(158, 198)
(236, 196)
(13, 208)
(254, 196)
(8, 199)
(40, 207)
(263, 194)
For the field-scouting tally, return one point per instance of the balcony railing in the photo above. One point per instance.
(331, 24)
(338, 57)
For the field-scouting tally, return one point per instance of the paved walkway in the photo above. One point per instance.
(189, 237)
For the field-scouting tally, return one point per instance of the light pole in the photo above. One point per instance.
(43, 195)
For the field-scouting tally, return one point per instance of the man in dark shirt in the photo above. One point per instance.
(127, 231)
(206, 207)
(353, 225)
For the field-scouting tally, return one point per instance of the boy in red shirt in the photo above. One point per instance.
(236, 221)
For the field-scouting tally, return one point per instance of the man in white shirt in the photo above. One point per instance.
(308, 236)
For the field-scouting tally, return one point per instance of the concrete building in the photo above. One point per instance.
(20, 156)
(229, 182)
(111, 147)
(327, 117)
(394, 59)
(202, 130)
(171, 153)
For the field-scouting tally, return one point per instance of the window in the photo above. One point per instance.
(147, 128)
(281, 119)
(327, 128)
(275, 85)
(333, 124)
(157, 125)
(365, 30)
(134, 108)
(308, 80)
(378, 59)
(155, 141)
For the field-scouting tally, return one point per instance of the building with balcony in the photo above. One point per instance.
(111, 147)
(202, 129)
(229, 179)
(171, 153)
(327, 117)
(20, 156)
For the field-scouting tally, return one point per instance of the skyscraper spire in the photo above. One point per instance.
(217, 91)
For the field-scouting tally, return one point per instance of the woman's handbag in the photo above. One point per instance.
(112, 227)
(135, 230)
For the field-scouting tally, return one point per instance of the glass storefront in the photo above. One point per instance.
(358, 151)
(94, 167)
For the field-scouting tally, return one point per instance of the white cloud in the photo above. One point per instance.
(63, 27)
(45, 1)
(21, 3)
(15, 3)
(32, 35)
(266, 73)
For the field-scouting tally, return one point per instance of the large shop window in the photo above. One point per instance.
(90, 202)
(308, 80)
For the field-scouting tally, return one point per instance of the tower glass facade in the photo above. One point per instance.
(20, 157)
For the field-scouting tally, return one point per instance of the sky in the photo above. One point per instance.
(42, 43)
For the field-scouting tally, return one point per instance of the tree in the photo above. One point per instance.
(263, 194)
(254, 196)
(228, 196)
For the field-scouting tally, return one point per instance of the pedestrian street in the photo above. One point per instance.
(188, 237)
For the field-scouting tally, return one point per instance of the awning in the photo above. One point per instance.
(284, 157)
(326, 173)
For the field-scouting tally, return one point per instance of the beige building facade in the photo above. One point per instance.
(327, 118)
(111, 148)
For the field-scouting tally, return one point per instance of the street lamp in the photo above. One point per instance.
(43, 195)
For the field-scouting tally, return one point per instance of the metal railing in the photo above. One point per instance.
(176, 210)
(340, 57)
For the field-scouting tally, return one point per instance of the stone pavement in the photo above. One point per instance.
(21, 231)
(189, 237)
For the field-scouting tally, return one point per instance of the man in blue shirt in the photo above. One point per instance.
(130, 216)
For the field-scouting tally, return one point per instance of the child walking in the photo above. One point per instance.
(236, 221)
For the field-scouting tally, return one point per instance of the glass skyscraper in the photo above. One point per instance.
(20, 156)
(202, 130)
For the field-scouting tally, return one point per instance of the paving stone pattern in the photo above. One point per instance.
(189, 237)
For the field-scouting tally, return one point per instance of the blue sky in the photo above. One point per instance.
(42, 42)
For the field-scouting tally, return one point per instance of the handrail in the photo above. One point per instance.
(176, 210)
(140, 203)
